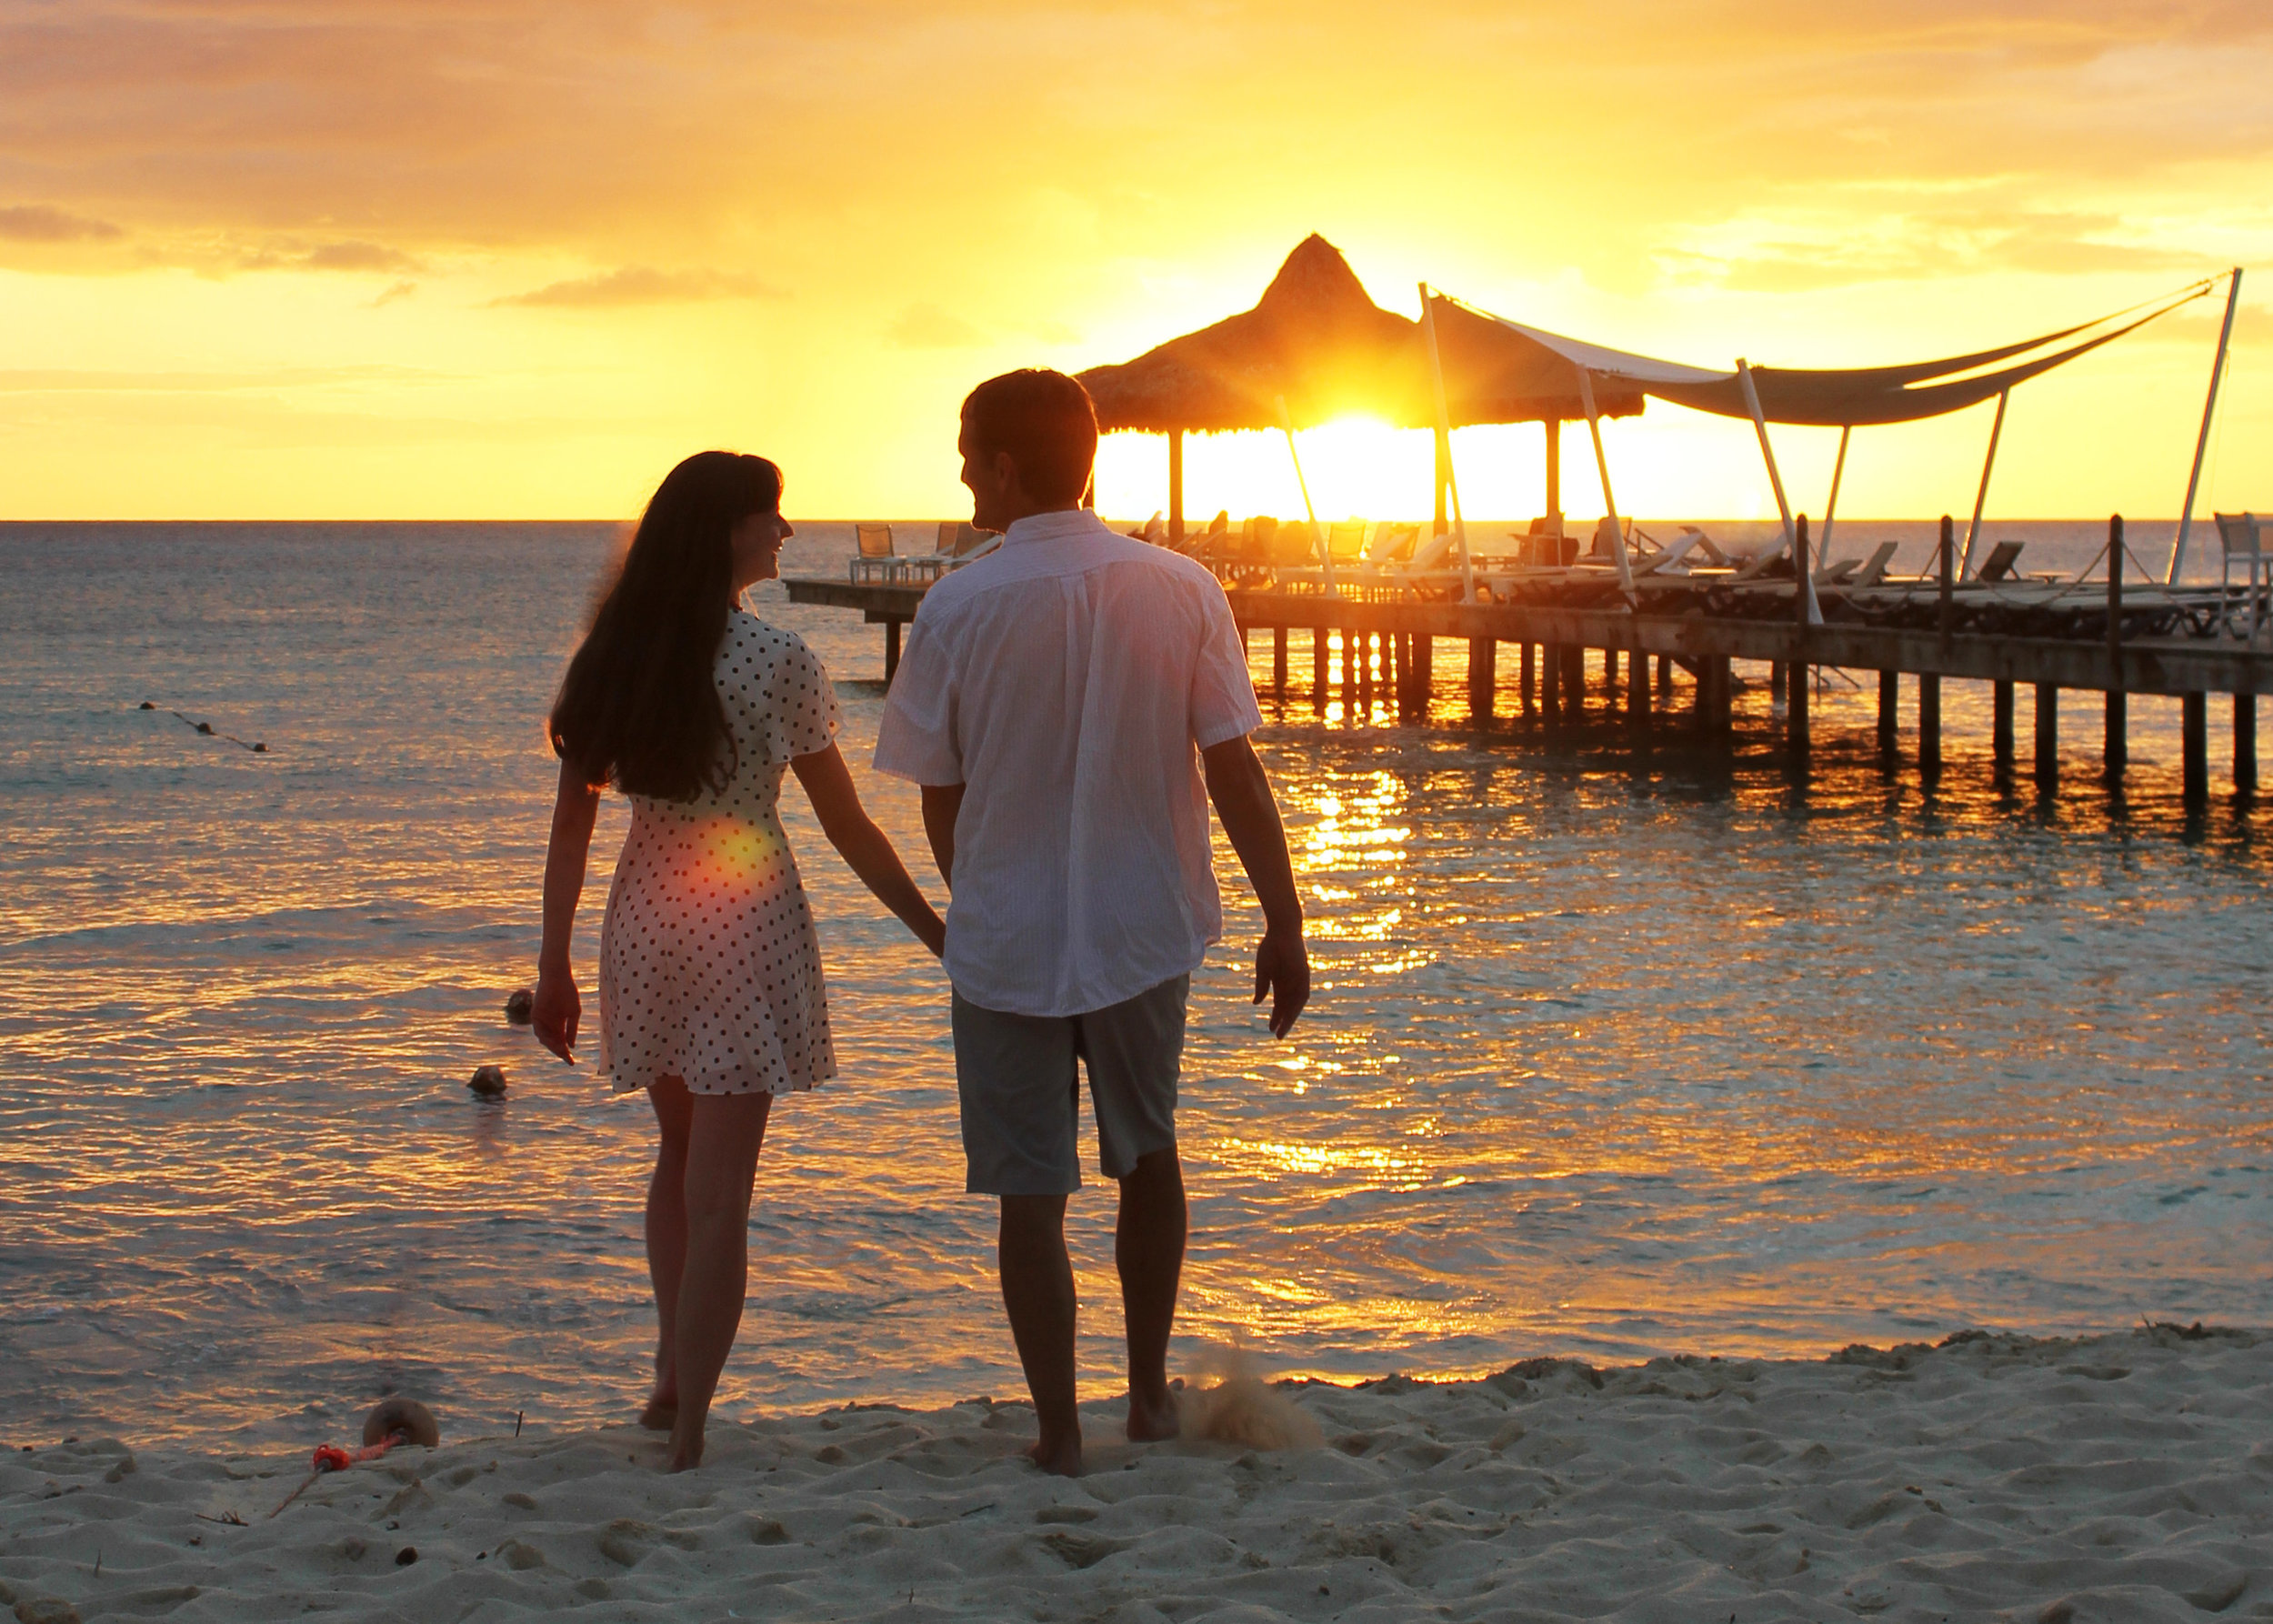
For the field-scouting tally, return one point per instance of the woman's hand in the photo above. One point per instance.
(864, 846)
(555, 1012)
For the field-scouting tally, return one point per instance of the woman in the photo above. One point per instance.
(711, 997)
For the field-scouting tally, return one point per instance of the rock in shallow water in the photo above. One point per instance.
(488, 1081)
(521, 1006)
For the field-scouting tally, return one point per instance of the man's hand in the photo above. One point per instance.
(1281, 969)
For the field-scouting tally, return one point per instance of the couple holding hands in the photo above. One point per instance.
(1069, 706)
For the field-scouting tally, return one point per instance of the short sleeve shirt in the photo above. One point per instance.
(1068, 681)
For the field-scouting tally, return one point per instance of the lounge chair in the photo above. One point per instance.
(874, 559)
(1690, 539)
(1874, 568)
(1998, 565)
(2242, 535)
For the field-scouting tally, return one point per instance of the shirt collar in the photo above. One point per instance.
(1054, 527)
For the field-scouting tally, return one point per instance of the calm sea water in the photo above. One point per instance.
(1614, 1049)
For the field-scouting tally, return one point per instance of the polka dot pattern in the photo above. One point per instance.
(709, 967)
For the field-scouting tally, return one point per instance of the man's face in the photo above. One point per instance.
(986, 479)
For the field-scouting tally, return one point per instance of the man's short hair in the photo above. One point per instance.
(1046, 423)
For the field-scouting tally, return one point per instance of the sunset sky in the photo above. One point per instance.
(500, 258)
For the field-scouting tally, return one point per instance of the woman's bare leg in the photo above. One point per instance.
(666, 1244)
(725, 1132)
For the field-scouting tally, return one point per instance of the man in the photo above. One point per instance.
(1050, 703)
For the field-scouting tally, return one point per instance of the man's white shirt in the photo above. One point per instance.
(1068, 681)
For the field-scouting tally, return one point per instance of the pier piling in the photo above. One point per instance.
(891, 651)
(2048, 737)
(2116, 751)
(2245, 744)
(1637, 689)
(1321, 650)
(2194, 730)
(1483, 676)
(1278, 662)
(2001, 724)
(1929, 719)
(1889, 711)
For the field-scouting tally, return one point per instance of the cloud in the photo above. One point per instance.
(400, 290)
(42, 222)
(351, 255)
(640, 285)
(926, 327)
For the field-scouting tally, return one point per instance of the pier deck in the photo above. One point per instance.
(1365, 645)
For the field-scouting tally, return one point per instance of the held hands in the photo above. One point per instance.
(1281, 969)
(555, 1012)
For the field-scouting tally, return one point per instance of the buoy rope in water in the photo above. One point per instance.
(331, 1457)
(206, 728)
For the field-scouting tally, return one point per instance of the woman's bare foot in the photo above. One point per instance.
(1151, 1419)
(661, 1415)
(687, 1453)
(1059, 1457)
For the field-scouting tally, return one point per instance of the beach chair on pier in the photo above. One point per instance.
(1874, 568)
(1210, 545)
(1999, 565)
(2242, 535)
(874, 559)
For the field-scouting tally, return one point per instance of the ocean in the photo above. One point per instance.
(1615, 1048)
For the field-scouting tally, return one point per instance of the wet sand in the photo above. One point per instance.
(2126, 1476)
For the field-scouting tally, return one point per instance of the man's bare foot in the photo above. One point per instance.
(661, 1414)
(1151, 1419)
(1060, 1457)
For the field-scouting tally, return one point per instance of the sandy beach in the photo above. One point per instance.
(2126, 1476)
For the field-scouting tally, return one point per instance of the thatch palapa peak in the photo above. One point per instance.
(1319, 341)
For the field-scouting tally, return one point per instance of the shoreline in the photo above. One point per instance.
(2126, 1475)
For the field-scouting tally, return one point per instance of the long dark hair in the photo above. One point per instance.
(639, 707)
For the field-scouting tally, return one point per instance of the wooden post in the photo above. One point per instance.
(2001, 724)
(2116, 751)
(1575, 678)
(2115, 743)
(891, 651)
(1551, 682)
(1946, 618)
(1723, 694)
(1664, 677)
(1321, 651)
(1610, 676)
(1527, 678)
(1637, 689)
(2245, 744)
(2114, 595)
(1278, 662)
(1176, 487)
(1890, 710)
(1929, 713)
(1554, 427)
(1365, 675)
(1775, 679)
(1796, 695)
(2048, 737)
(1483, 676)
(1348, 652)
(2194, 726)
(1397, 672)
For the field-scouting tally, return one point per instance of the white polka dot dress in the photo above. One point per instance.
(709, 967)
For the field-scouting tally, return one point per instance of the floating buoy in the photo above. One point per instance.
(521, 1007)
(413, 1420)
(488, 1081)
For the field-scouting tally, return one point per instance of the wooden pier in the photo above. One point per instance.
(1365, 647)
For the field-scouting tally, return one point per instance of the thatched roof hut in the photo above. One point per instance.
(1317, 340)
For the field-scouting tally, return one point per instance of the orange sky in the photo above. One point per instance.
(505, 258)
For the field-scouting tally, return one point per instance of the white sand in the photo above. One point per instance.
(2124, 1477)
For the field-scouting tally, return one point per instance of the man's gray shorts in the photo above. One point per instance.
(1022, 1096)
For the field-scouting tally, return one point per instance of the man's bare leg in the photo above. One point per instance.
(1037, 1293)
(727, 1131)
(1148, 1248)
(666, 1245)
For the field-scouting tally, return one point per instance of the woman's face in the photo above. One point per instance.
(756, 547)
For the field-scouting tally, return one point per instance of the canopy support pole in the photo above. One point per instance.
(1554, 427)
(1602, 467)
(1176, 487)
(1980, 498)
(2202, 441)
(1317, 536)
(1831, 508)
(1443, 448)
(1776, 481)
